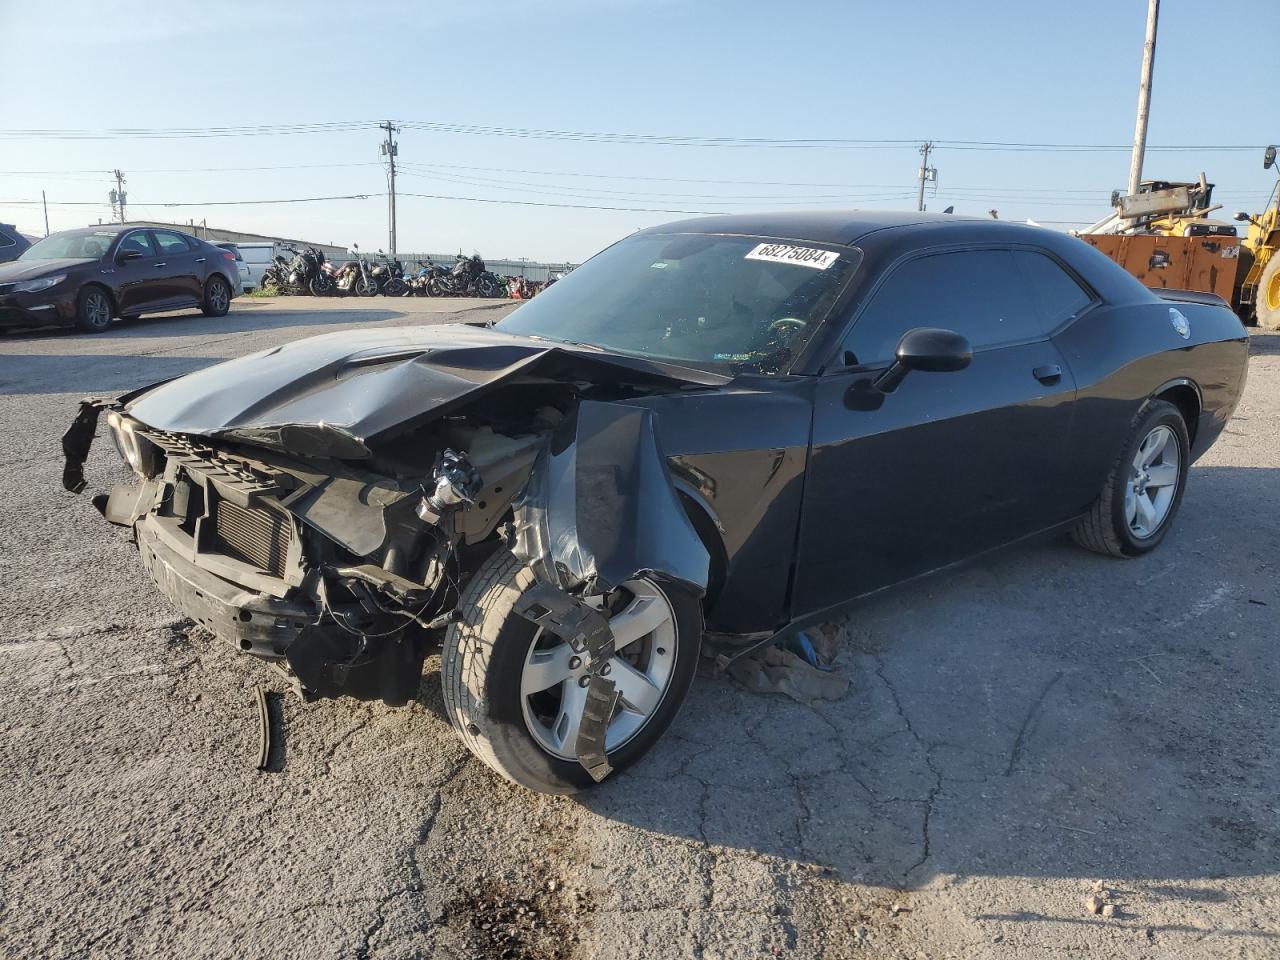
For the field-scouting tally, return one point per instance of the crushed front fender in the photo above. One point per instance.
(600, 507)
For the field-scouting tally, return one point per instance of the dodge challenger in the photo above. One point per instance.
(710, 434)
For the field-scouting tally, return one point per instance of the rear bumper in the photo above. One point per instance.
(256, 623)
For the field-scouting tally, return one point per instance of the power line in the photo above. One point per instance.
(203, 203)
(593, 193)
(584, 136)
(569, 206)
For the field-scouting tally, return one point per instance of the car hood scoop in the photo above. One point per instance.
(340, 393)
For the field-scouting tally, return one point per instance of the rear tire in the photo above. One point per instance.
(484, 663)
(93, 310)
(217, 297)
(1111, 526)
(1267, 297)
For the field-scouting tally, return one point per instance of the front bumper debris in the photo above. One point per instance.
(256, 623)
(587, 633)
(77, 441)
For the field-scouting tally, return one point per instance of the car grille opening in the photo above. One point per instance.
(261, 537)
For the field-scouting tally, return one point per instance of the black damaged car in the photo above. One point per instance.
(86, 277)
(712, 433)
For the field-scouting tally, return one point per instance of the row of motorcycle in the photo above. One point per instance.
(309, 271)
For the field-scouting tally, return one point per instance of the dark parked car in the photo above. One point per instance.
(715, 431)
(12, 243)
(86, 277)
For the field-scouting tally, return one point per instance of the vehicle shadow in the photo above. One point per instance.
(1046, 712)
(189, 323)
(92, 374)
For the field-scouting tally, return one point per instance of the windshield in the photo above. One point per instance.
(81, 245)
(741, 302)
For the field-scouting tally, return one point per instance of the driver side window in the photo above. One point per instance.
(977, 293)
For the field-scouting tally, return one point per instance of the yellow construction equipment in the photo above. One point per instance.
(1163, 236)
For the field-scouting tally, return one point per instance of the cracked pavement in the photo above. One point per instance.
(1014, 732)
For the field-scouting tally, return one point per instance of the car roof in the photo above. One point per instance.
(103, 228)
(818, 226)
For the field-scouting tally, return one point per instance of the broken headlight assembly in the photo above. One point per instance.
(140, 453)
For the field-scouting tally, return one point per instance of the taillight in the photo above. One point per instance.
(229, 256)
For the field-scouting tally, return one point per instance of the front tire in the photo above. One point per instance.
(495, 665)
(1142, 492)
(93, 310)
(366, 288)
(217, 297)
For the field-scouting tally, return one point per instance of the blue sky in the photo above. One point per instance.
(1037, 72)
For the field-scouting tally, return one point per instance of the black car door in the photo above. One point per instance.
(136, 276)
(949, 464)
(179, 272)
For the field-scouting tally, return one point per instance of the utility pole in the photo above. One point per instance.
(927, 173)
(1144, 97)
(390, 150)
(45, 203)
(118, 194)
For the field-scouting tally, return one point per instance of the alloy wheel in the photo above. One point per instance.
(1153, 483)
(553, 684)
(219, 299)
(97, 310)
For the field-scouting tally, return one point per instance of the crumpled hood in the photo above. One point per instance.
(343, 391)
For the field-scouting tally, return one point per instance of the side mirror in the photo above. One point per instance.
(1269, 157)
(929, 349)
(355, 247)
(1242, 217)
(124, 256)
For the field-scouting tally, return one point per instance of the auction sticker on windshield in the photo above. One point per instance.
(801, 256)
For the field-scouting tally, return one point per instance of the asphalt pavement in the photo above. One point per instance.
(1039, 728)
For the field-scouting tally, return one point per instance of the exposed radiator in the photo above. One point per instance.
(261, 537)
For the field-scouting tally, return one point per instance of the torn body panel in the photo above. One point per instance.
(600, 507)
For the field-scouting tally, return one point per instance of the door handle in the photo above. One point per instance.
(159, 265)
(200, 259)
(1049, 373)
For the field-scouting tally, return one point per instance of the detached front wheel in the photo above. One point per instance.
(515, 693)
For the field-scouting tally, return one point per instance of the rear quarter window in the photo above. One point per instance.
(1057, 294)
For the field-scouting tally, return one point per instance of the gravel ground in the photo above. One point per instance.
(1016, 734)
